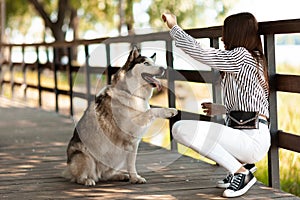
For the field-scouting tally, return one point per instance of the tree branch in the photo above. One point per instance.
(63, 6)
(42, 13)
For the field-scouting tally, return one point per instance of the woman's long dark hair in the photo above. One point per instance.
(241, 30)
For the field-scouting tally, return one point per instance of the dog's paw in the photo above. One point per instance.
(169, 112)
(125, 177)
(89, 182)
(137, 180)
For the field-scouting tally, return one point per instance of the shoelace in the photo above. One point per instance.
(236, 181)
(228, 178)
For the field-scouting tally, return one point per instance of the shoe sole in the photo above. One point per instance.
(239, 192)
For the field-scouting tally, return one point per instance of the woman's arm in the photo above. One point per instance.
(219, 59)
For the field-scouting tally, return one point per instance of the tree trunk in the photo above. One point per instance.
(126, 16)
(64, 12)
(74, 21)
(129, 17)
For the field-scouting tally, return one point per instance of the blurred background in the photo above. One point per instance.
(28, 21)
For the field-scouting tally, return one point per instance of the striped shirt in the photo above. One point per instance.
(244, 87)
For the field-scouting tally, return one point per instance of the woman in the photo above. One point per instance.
(246, 137)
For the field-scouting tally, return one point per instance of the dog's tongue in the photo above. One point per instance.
(156, 84)
(152, 81)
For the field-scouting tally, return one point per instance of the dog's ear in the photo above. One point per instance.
(133, 54)
(153, 57)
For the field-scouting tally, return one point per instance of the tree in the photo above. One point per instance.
(66, 17)
(62, 15)
(190, 14)
(126, 15)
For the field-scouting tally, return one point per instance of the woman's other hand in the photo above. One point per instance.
(213, 109)
(169, 19)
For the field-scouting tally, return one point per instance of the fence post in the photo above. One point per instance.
(171, 89)
(39, 71)
(24, 73)
(273, 157)
(216, 85)
(108, 62)
(55, 63)
(87, 73)
(11, 70)
(70, 77)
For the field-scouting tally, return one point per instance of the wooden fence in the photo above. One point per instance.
(268, 30)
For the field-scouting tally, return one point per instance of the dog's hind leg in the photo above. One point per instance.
(83, 169)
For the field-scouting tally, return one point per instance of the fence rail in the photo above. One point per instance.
(278, 82)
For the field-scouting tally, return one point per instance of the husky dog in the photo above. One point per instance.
(105, 141)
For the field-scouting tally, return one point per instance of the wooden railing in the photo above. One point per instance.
(278, 82)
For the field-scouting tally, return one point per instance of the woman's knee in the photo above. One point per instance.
(184, 130)
(177, 130)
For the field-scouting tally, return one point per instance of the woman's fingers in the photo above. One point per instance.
(207, 108)
(206, 111)
(206, 105)
(170, 19)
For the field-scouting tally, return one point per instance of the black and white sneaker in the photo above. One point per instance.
(226, 181)
(240, 184)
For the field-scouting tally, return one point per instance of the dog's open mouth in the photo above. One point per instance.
(151, 79)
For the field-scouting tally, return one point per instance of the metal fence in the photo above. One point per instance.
(268, 30)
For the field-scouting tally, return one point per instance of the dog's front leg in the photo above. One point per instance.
(163, 112)
(131, 161)
(146, 118)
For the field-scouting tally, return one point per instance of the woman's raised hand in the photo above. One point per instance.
(169, 19)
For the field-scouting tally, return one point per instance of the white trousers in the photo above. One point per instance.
(231, 148)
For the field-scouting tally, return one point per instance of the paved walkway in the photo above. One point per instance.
(32, 156)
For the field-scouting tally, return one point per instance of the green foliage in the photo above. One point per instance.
(289, 171)
(50, 6)
(104, 12)
(92, 12)
(18, 15)
(18, 7)
(108, 14)
(178, 7)
(189, 14)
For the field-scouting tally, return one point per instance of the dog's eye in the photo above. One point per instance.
(147, 63)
